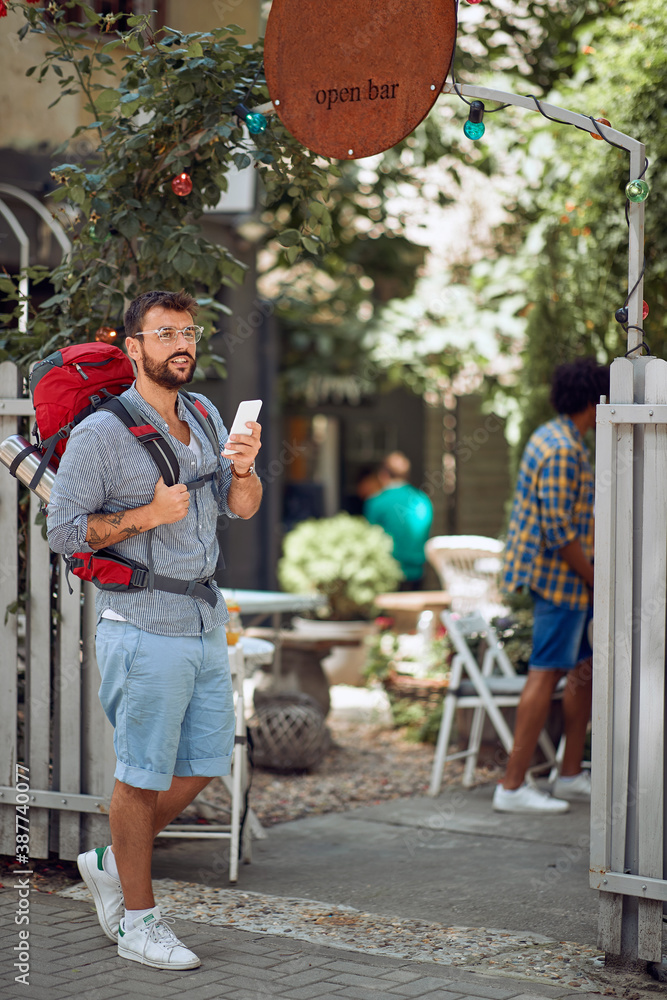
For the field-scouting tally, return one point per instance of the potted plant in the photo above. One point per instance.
(349, 561)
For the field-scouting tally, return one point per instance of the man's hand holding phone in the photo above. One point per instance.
(244, 439)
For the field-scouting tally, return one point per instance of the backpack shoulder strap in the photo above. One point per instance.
(203, 418)
(155, 443)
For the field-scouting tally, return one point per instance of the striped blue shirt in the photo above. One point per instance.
(105, 469)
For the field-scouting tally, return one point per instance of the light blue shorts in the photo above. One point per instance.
(170, 701)
(560, 636)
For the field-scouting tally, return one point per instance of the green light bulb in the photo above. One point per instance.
(637, 191)
(256, 122)
(474, 130)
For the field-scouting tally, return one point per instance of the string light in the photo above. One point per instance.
(596, 135)
(106, 334)
(474, 128)
(637, 190)
(255, 121)
(182, 184)
(645, 309)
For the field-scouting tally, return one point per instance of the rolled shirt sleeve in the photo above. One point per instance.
(80, 489)
(557, 490)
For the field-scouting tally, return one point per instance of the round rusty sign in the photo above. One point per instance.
(350, 78)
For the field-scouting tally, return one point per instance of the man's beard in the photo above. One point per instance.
(161, 374)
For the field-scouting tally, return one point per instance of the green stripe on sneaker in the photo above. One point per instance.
(99, 851)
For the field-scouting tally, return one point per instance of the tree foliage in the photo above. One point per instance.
(575, 239)
(168, 108)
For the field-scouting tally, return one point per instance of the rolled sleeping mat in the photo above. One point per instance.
(23, 460)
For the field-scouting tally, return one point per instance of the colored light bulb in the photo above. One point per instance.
(92, 232)
(474, 1)
(603, 121)
(182, 184)
(474, 130)
(106, 334)
(637, 191)
(256, 122)
(645, 309)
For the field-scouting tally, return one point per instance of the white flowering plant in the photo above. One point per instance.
(343, 557)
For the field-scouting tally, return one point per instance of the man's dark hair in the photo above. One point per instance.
(137, 309)
(576, 384)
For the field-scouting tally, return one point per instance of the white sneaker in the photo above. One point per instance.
(526, 799)
(152, 942)
(576, 789)
(105, 890)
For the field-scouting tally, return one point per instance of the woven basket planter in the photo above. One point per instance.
(288, 732)
(429, 690)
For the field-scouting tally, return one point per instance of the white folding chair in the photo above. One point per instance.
(482, 689)
(236, 783)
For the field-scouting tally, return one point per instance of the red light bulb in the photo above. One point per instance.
(106, 334)
(603, 121)
(645, 309)
(182, 184)
(474, 1)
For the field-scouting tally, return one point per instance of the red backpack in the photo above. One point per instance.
(68, 386)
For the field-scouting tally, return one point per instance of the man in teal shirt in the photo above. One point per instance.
(405, 513)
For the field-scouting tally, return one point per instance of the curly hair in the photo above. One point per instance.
(576, 384)
(137, 309)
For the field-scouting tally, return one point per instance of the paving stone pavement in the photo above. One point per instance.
(70, 957)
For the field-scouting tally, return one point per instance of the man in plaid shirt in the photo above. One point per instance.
(549, 552)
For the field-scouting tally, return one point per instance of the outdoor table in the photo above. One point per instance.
(406, 606)
(274, 603)
(262, 603)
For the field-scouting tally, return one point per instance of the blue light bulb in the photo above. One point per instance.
(256, 122)
(474, 130)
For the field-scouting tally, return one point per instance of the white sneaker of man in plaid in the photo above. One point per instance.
(152, 942)
(104, 888)
(526, 799)
(575, 789)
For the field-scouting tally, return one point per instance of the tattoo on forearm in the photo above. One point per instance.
(132, 529)
(101, 528)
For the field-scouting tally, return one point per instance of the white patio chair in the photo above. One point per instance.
(485, 689)
(468, 567)
(247, 652)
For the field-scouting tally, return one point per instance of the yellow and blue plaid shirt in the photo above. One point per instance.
(553, 505)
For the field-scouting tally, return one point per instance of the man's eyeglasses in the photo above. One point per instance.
(169, 334)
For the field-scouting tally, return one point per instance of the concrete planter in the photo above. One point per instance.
(345, 663)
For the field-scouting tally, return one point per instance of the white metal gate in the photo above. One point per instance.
(627, 810)
(51, 721)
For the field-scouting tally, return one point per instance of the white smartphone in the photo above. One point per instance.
(248, 410)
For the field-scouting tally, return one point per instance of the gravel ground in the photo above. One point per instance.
(366, 764)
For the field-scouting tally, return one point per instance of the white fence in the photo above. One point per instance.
(628, 762)
(51, 721)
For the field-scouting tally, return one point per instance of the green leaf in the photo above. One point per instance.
(185, 93)
(130, 107)
(289, 238)
(107, 99)
(292, 253)
(129, 226)
(195, 50)
(183, 262)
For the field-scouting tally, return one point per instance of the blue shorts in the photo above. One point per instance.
(170, 701)
(560, 636)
